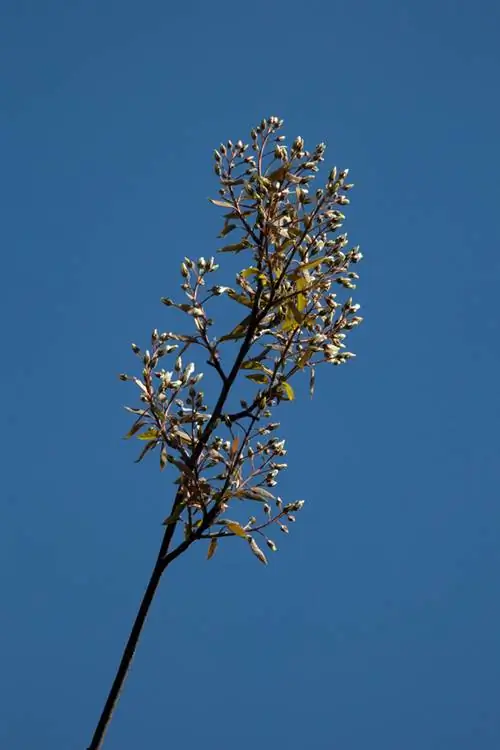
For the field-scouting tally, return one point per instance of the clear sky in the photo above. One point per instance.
(376, 625)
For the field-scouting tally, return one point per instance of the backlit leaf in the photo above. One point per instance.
(305, 357)
(148, 434)
(257, 377)
(288, 390)
(310, 264)
(300, 285)
(249, 272)
(236, 528)
(291, 322)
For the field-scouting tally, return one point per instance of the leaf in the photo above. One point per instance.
(142, 412)
(300, 285)
(146, 449)
(222, 204)
(279, 174)
(237, 214)
(251, 271)
(239, 298)
(182, 436)
(236, 528)
(149, 434)
(234, 446)
(312, 379)
(258, 358)
(233, 181)
(140, 384)
(227, 228)
(288, 390)
(236, 248)
(163, 458)
(180, 465)
(135, 428)
(293, 318)
(174, 517)
(308, 266)
(305, 357)
(252, 364)
(257, 551)
(239, 331)
(212, 548)
(257, 377)
(254, 493)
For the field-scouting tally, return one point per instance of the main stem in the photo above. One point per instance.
(164, 558)
(128, 655)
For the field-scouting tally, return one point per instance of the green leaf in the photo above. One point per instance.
(174, 517)
(249, 272)
(239, 331)
(308, 266)
(227, 228)
(293, 318)
(300, 285)
(149, 446)
(212, 548)
(237, 214)
(288, 390)
(135, 428)
(305, 357)
(236, 248)
(236, 528)
(257, 377)
(239, 298)
(149, 434)
(252, 364)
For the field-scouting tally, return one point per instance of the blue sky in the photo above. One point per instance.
(377, 623)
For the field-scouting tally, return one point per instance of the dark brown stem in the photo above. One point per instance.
(131, 645)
